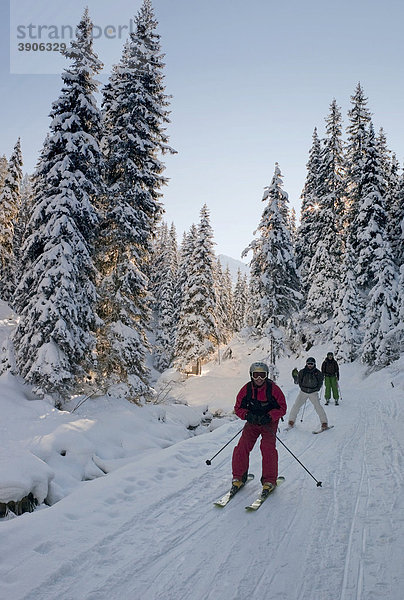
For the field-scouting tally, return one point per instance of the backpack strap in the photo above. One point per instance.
(249, 402)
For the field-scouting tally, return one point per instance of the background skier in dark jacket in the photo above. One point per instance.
(310, 380)
(330, 370)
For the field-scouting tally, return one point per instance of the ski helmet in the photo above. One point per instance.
(311, 361)
(259, 367)
(330, 354)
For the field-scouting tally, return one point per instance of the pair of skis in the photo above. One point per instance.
(221, 502)
(289, 427)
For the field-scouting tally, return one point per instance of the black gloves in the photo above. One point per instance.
(264, 420)
(252, 418)
(258, 419)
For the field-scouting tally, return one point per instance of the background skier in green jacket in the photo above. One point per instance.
(330, 370)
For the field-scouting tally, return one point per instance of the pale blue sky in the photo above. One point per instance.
(249, 80)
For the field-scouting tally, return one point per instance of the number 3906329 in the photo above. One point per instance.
(42, 47)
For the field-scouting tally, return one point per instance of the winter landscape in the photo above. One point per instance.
(122, 350)
(147, 529)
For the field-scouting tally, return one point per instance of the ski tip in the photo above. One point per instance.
(321, 430)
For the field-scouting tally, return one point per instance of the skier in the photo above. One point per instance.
(330, 370)
(310, 380)
(261, 403)
(295, 375)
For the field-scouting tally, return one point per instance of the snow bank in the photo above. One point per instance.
(48, 453)
(21, 472)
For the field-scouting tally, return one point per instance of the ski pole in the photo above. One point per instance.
(301, 420)
(209, 461)
(319, 483)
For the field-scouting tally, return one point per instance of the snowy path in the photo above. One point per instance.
(149, 531)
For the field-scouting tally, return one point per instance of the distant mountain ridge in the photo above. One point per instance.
(234, 265)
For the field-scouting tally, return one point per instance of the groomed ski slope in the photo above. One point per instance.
(149, 531)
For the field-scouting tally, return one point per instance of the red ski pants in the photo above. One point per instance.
(241, 453)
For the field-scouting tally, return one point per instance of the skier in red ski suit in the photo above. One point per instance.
(261, 403)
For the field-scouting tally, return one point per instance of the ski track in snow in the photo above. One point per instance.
(161, 538)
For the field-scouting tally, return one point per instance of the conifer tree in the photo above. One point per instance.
(306, 236)
(176, 269)
(224, 303)
(164, 322)
(332, 167)
(398, 334)
(291, 220)
(228, 298)
(360, 118)
(54, 341)
(197, 332)
(24, 215)
(369, 229)
(135, 114)
(325, 267)
(385, 160)
(10, 201)
(274, 284)
(395, 212)
(240, 300)
(184, 258)
(158, 260)
(346, 335)
(381, 343)
(184, 345)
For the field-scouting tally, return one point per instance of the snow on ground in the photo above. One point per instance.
(149, 531)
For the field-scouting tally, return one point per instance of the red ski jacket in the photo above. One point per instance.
(260, 394)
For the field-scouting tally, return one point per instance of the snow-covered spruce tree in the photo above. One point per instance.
(389, 167)
(386, 160)
(240, 300)
(375, 269)
(398, 334)
(292, 225)
(54, 341)
(24, 215)
(224, 303)
(346, 334)
(306, 236)
(184, 258)
(332, 167)
(324, 274)
(360, 117)
(228, 296)
(381, 343)
(395, 212)
(135, 113)
(197, 332)
(10, 201)
(166, 263)
(157, 261)
(172, 240)
(368, 232)
(274, 284)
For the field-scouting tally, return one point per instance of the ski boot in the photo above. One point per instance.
(267, 488)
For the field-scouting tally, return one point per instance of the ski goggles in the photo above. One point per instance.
(258, 374)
